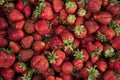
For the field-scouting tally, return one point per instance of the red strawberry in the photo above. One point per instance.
(20, 5)
(20, 67)
(111, 65)
(15, 15)
(7, 74)
(3, 23)
(47, 12)
(27, 41)
(57, 57)
(6, 60)
(50, 78)
(80, 31)
(79, 20)
(116, 42)
(88, 15)
(94, 59)
(38, 77)
(117, 66)
(109, 75)
(15, 34)
(99, 45)
(38, 45)
(67, 67)
(91, 47)
(101, 65)
(40, 63)
(78, 63)
(91, 26)
(88, 64)
(76, 43)
(57, 68)
(71, 19)
(49, 72)
(37, 36)
(105, 2)
(55, 22)
(42, 27)
(32, 1)
(63, 15)
(26, 54)
(66, 76)
(57, 5)
(19, 24)
(83, 73)
(29, 27)
(3, 42)
(60, 29)
(3, 33)
(103, 17)
(27, 11)
(70, 7)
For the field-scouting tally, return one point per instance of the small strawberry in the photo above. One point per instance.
(117, 66)
(76, 43)
(27, 11)
(20, 5)
(78, 63)
(81, 12)
(105, 3)
(91, 47)
(37, 36)
(101, 65)
(3, 23)
(60, 29)
(71, 19)
(63, 15)
(116, 42)
(79, 20)
(57, 5)
(3, 42)
(67, 67)
(38, 77)
(66, 76)
(3, 33)
(19, 24)
(32, 1)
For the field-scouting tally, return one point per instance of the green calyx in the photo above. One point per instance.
(79, 54)
(96, 53)
(52, 57)
(92, 73)
(79, 29)
(71, 18)
(7, 50)
(117, 75)
(8, 5)
(81, 12)
(22, 65)
(1, 78)
(70, 5)
(109, 52)
(101, 37)
(69, 46)
(83, 1)
(2, 2)
(115, 2)
(68, 41)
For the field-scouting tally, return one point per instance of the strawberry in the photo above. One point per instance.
(20, 67)
(32, 1)
(57, 5)
(50, 78)
(78, 63)
(37, 36)
(70, 7)
(60, 29)
(94, 6)
(3, 42)
(99, 45)
(109, 52)
(15, 34)
(81, 12)
(101, 65)
(58, 78)
(103, 17)
(88, 15)
(19, 24)
(57, 68)
(63, 15)
(83, 73)
(40, 63)
(76, 43)
(57, 57)
(7, 74)
(91, 47)
(3, 33)
(20, 5)
(117, 66)
(38, 45)
(91, 26)
(67, 67)
(27, 41)
(15, 15)
(27, 11)
(39, 27)
(26, 54)
(88, 64)
(38, 77)
(94, 59)
(71, 19)
(116, 42)
(109, 75)
(111, 65)
(105, 2)
(3, 23)
(55, 22)
(66, 76)
(79, 21)
(80, 31)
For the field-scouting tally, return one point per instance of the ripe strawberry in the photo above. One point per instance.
(55, 22)
(91, 26)
(19, 24)
(76, 43)
(57, 68)
(27, 11)
(80, 31)
(60, 29)
(3, 23)
(32, 1)
(63, 15)
(3, 33)
(20, 67)
(3, 42)
(71, 19)
(27, 41)
(66, 76)
(88, 64)
(88, 15)
(103, 17)
(70, 7)
(116, 42)
(101, 65)
(57, 57)
(105, 3)
(117, 66)
(79, 21)
(57, 5)
(91, 47)
(38, 45)
(15, 15)
(40, 63)
(38, 77)
(37, 36)
(42, 27)
(111, 65)
(83, 73)
(94, 59)
(78, 63)
(67, 67)
(81, 12)
(94, 6)
(99, 45)
(7, 74)
(26, 54)
(20, 5)
(15, 34)
(50, 78)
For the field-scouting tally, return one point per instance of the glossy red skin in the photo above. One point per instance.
(86, 55)
(15, 34)
(15, 15)
(91, 47)
(38, 45)
(20, 5)
(76, 43)
(88, 15)
(94, 5)
(26, 54)
(79, 20)
(55, 22)
(117, 66)
(27, 41)
(101, 65)
(60, 29)
(63, 15)
(50, 78)
(47, 12)
(14, 46)
(7, 74)
(116, 42)
(94, 59)
(42, 27)
(57, 68)
(67, 67)
(3, 33)
(99, 45)
(78, 63)
(57, 5)
(37, 36)
(109, 75)
(32, 1)
(27, 11)
(6, 60)
(110, 65)
(103, 17)
(55, 42)
(91, 26)
(66, 76)
(40, 63)
(19, 24)
(48, 73)
(29, 27)
(3, 23)
(3, 42)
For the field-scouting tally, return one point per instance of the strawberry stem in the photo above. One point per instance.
(109, 52)
(22, 65)
(79, 29)
(52, 57)
(2, 2)
(101, 37)
(69, 46)
(96, 53)
(117, 75)
(81, 12)
(79, 54)
(68, 41)
(7, 50)
(1, 78)
(71, 18)
(70, 5)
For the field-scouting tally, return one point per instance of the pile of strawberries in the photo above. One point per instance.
(59, 40)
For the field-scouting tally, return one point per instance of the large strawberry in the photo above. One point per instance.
(79, 20)
(57, 5)
(27, 11)
(101, 65)
(63, 15)
(19, 24)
